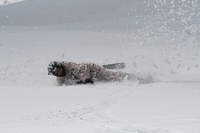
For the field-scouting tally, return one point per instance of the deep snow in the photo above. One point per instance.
(159, 38)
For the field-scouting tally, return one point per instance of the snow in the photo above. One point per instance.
(6, 2)
(154, 38)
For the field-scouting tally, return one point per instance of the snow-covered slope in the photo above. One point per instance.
(156, 38)
(7, 2)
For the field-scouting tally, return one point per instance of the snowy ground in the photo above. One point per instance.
(156, 38)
